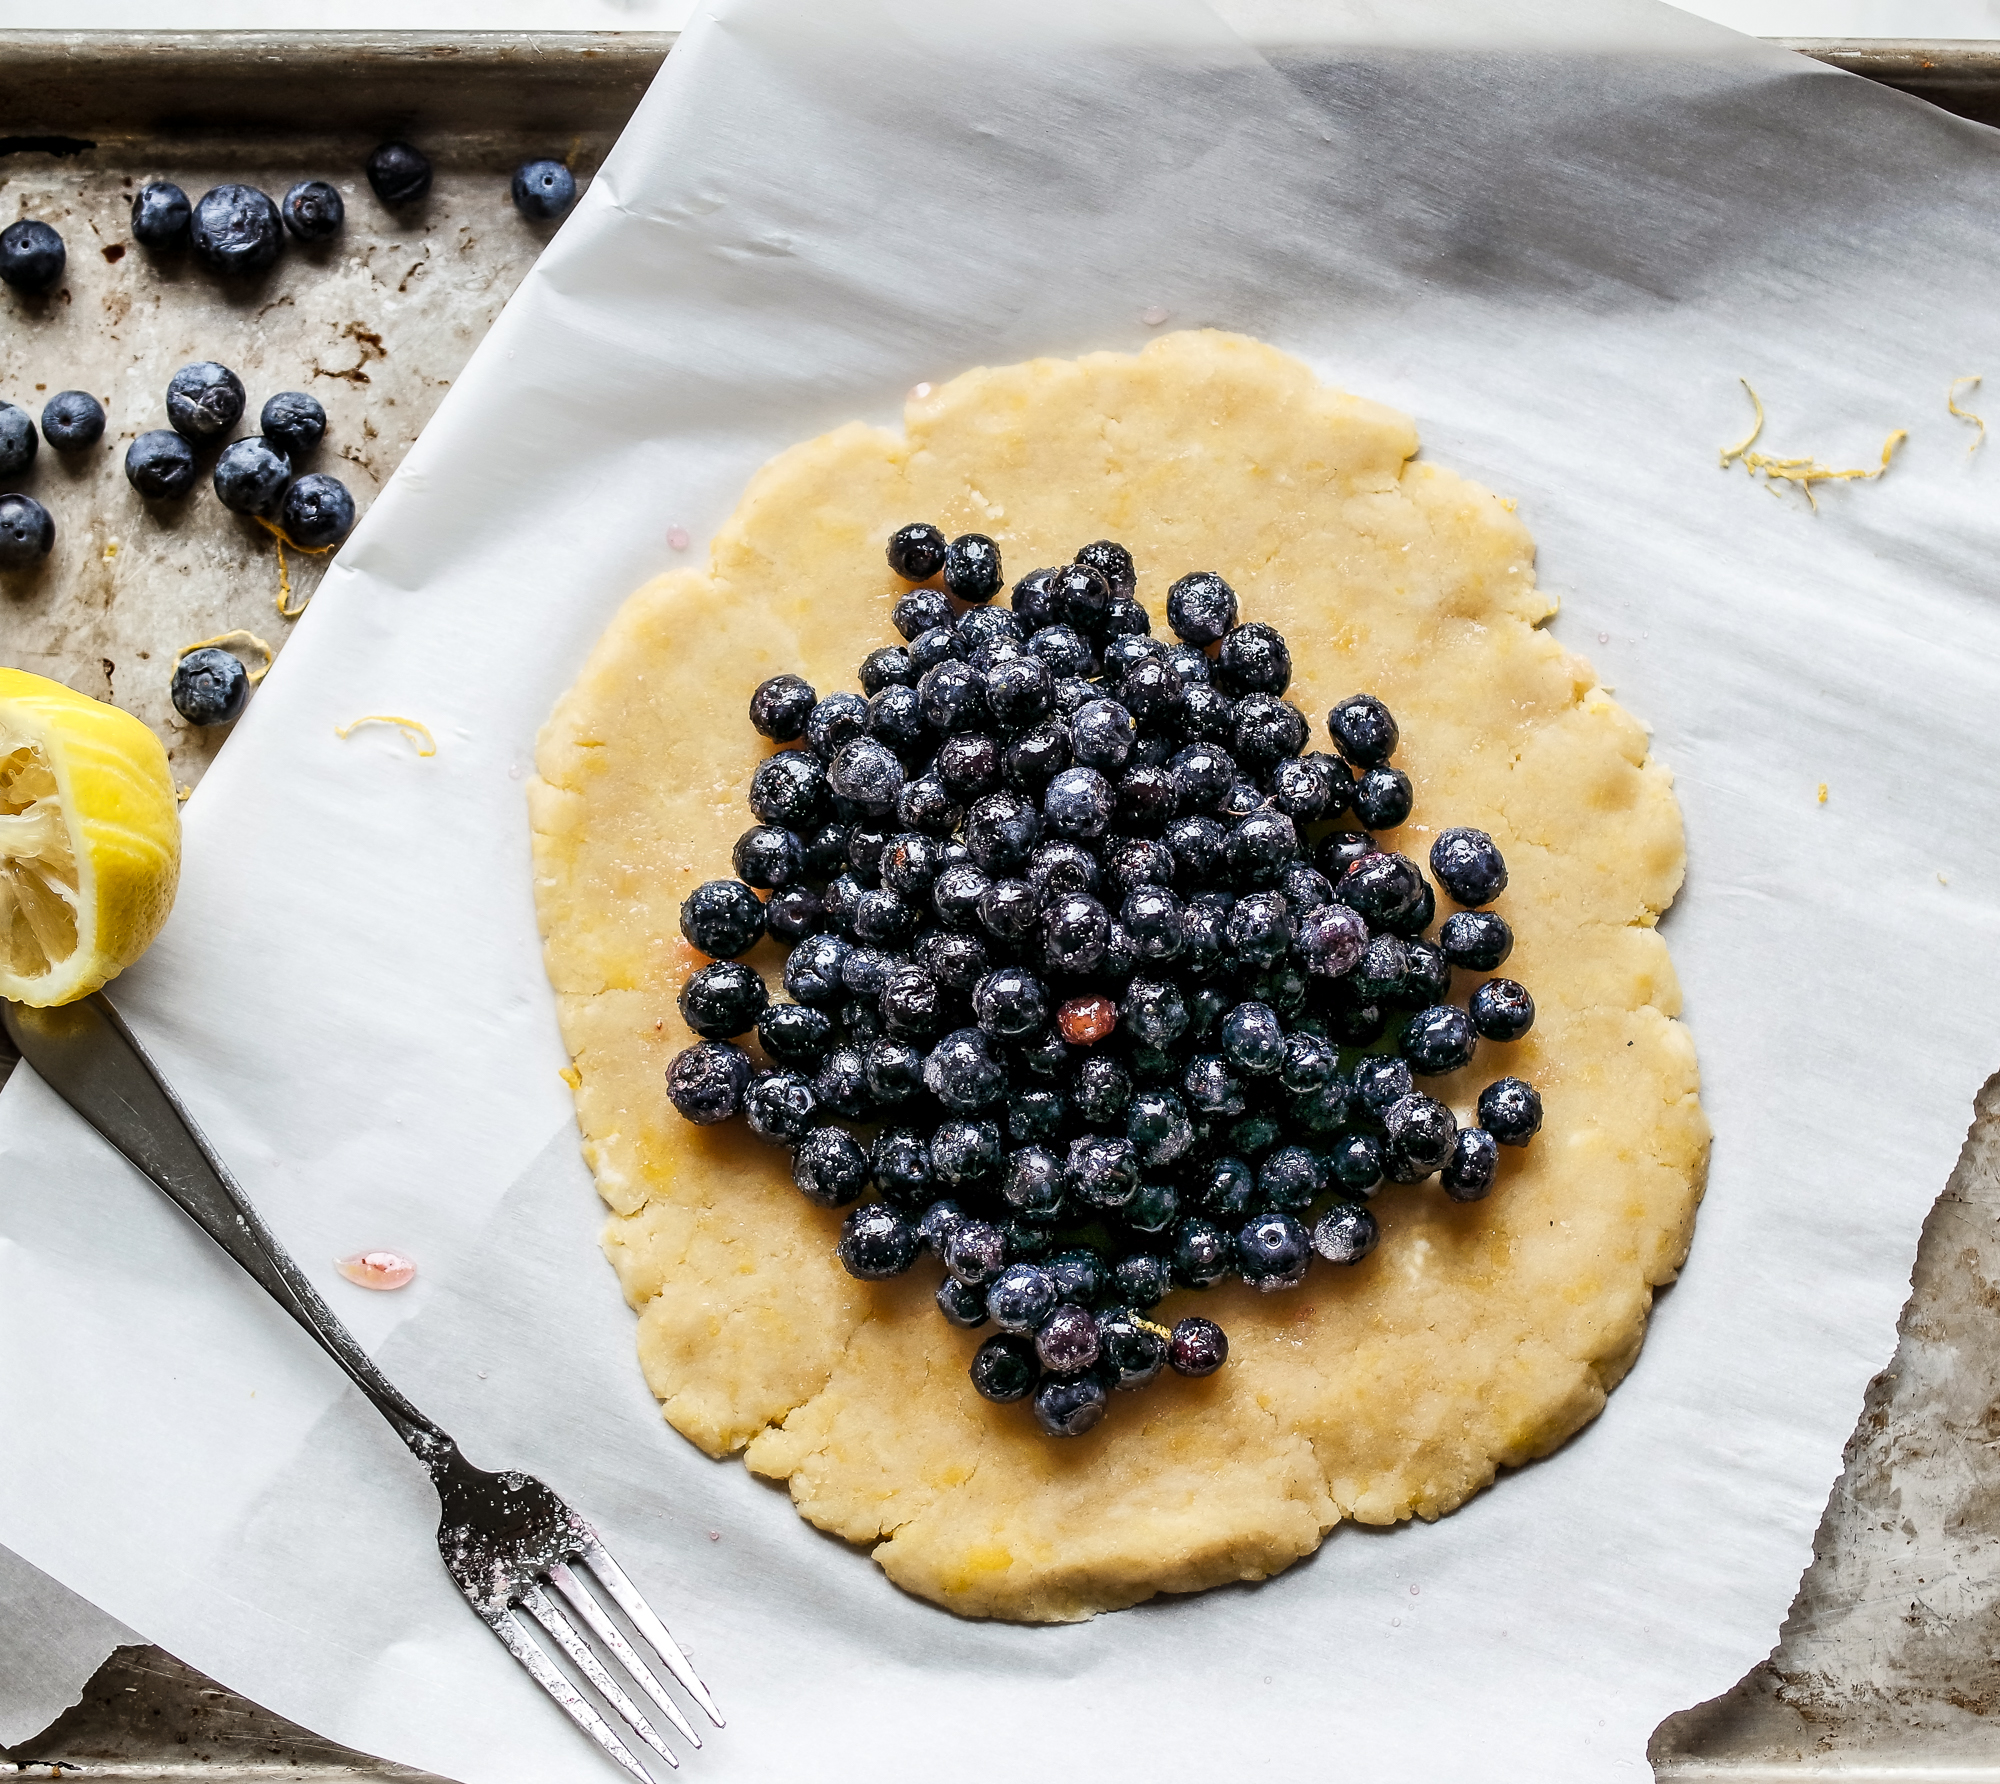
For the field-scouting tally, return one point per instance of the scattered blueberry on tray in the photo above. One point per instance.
(237, 230)
(1104, 957)
(72, 420)
(293, 422)
(399, 174)
(313, 211)
(250, 475)
(160, 465)
(543, 190)
(27, 534)
(18, 442)
(32, 256)
(210, 686)
(162, 218)
(204, 400)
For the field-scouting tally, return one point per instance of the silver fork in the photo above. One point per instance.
(506, 1539)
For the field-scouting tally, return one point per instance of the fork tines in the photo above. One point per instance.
(513, 1631)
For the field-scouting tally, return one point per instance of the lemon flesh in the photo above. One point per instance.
(90, 840)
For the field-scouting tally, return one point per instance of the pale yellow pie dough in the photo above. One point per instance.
(1475, 1336)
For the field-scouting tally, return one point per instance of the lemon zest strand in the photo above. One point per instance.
(1951, 403)
(283, 603)
(1749, 439)
(414, 729)
(236, 640)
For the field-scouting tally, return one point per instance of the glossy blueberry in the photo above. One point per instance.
(1201, 608)
(1332, 939)
(792, 1034)
(210, 686)
(1101, 1092)
(840, 1081)
(1212, 1087)
(204, 400)
(1253, 660)
(31, 256)
(1265, 730)
(1469, 866)
(939, 1221)
(866, 772)
(293, 422)
(1260, 847)
(969, 765)
(1426, 976)
(1075, 929)
(1346, 1233)
(1009, 910)
(71, 420)
(1020, 1298)
(236, 229)
(1291, 1178)
(161, 215)
(1225, 1189)
(1069, 1405)
(1273, 1250)
(1363, 730)
(831, 1167)
(1134, 861)
(1004, 1368)
(961, 1303)
(1078, 804)
(1511, 1111)
(1308, 789)
(1101, 1172)
(1207, 715)
(723, 918)
(1338, 850)
(930, 648)
(1310, 1063)
(1066, 653)
(312, 210)
(1020, 693)
(956, 960)
(250, 475)
(1382, 887)
(1157, 1124)
(963, 1072)
(1252, 1040)
(1153, 1012)
(1034, 599)
(1101, 734)
(780, 707)
(1203, 1252)
(1010, 1002)
(1033, 1182)
(1203, 772)
(913, 1004)
(1260, 929)
(723, 1000)
(972, 568)
(1078, 1273)
(1153, 918)
(1082, 597)
(1130, 1349)
(836, 720)
(1114, 563)
(1153, 694)
(1439, 1039)
(542, 190)
(160, 465)
(1355, 1163)
(901, 1162)
(1418, 1132)
(953, 696)
(1141, 1279)
(877, 1243)
(894, 1071)
(18, 440)
(1001, 830)
(399, 174)
(1382, 797)
(1319, 1113)
(706, 1082)
(794, 912)
(1198, 845)
(1502, 1010)
(317, 512)
(916, 554)
(28, 534)
(1198, 1346)
(1380, 1080)
(780, 1107)
(766, 856)
(1036, 757)
(1124, 651)
(1152, 1210)
(1479, 941)
(974, 1251)
(1475, 1159)
(967, 1155)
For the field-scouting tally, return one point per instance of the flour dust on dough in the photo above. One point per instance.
(1475, 1336)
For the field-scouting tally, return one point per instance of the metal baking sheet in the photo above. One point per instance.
(1885, 1666)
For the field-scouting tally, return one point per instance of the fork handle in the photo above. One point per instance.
(84, 1052)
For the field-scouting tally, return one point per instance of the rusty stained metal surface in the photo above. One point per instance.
(1886, 1668)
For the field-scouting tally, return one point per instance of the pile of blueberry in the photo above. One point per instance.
(1107, 960)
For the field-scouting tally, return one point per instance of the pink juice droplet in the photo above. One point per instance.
(377, 1269)
(677, 538)
(1153, 316)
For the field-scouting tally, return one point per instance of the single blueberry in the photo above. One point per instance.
(1066, 1340)
(1355, 1163)
(789, 791)
(1101, 1172)
(934, 645)
(1382, 797)
(399, 174)
(894, 1071)
(1067, 655)
(1469, 866)
(780, 707)
(1203, 1253)
(1310, 1063)
(1114, 563)
(1346, 1233)
(31, 256)
(1157, 1124)
(1332, 939)
(1479, 941)
(1078, 1273)
(1081, 595)
(1198, 1346)
(953, 696)
(916, 554)
(1338, 850)
(831, 1167)
(793, 1034)
(1152, 1210)
(780, 1107)
(1226, 1190)
(1155, 921)
(794, 912)
(940, 1220)
(1034, 599)
(706, 1082)
(1438, 1040)
(1273, 1250)
(204, 400)
(1033, 1184)
(1154, 1012)
(1383, 888)
(237, 230)
(968, 764)
(974, 1251)
(767, 857)
(1101, 734)
(1252, 1040)
(1310, 789)
(313, 211)
(1131, 1349)
(161, 215)
(1001, 830)
(877, 1242)
(18, 440)
(1201, 608)
(723, 918)
(1378, 974)
(1009, 910)
(210, 686)
(250, 475)
(1079, 804)
(866, 772)
(1146, 800)
(160, 465)
(1260, 929)
(542, 190)
(1141, 1279)
(1426, 976)
(963, 1073)
(962, 1303)
(1363, 730)
(1136, 861)
(71, 420)
(956, 960)
(1212, 1087)
(1019, 693)
(1265, 731)
(1511, 1111)
(840, 1084)
(972, 568)
(1004, 1368)
(1380, 1080)
(1101, 1092)
(1418, 1134)
(317, 512)
(1253, 660)
(723, 1000)
(28, 534)
(1475, 1158)
(1069, 1405)
(1153, 694)
(1502, 1010)
(1010, 1002)
(1020, 1298)
(1291, 1178)
(1260, 847)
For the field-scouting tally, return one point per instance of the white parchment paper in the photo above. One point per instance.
(1557, 235)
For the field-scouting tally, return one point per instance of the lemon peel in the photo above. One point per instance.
(414, 729)
(1803, 471)
(283, 602)
(1951, 403)
(234, 641)
(90, 840)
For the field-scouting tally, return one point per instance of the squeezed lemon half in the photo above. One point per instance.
(90, 840)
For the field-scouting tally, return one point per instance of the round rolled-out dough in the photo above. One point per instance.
(1475, 1336)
